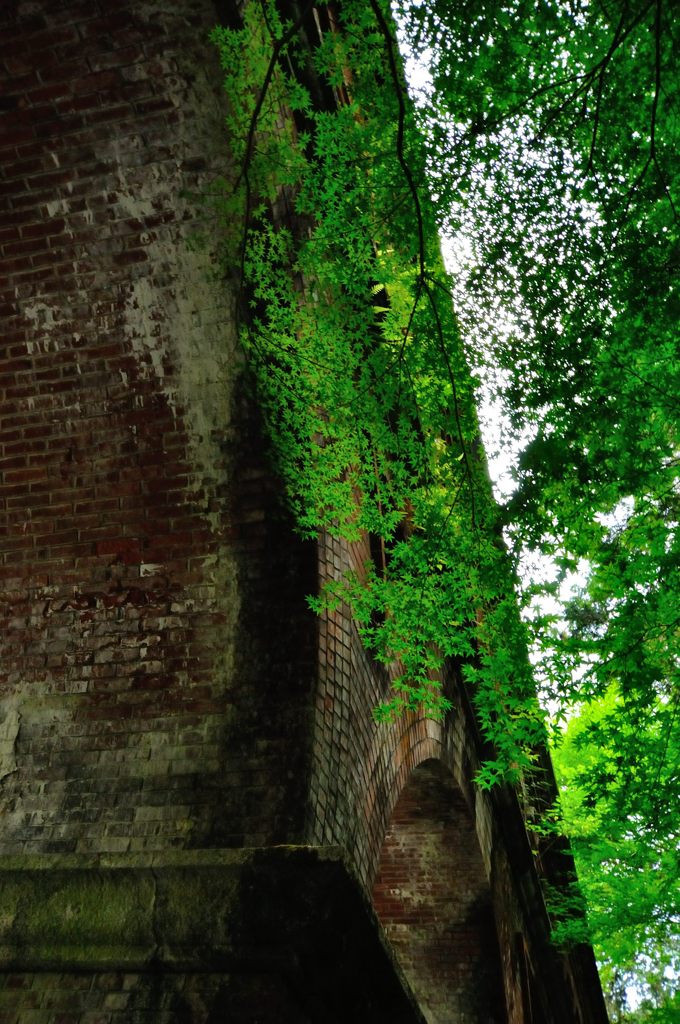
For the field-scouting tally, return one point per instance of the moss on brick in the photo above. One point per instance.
(295, 917)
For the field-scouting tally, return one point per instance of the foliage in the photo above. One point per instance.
(617, 768)
(552, 134)
(359, 367)
(547, 140)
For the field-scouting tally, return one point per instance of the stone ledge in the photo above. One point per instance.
(296, 912)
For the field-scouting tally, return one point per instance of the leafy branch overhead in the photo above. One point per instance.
(544, 147)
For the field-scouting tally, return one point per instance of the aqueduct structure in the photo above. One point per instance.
(200, 820)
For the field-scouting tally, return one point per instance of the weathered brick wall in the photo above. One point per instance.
(112, 997)
(359, 768)
(433, 898)
(366, 782)
(146, 701)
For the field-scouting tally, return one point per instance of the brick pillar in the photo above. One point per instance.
(433, 900)
(146, 698)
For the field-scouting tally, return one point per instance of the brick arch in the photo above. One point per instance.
(358, 767)
(434, 902)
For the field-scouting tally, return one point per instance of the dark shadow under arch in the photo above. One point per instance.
(433, 900)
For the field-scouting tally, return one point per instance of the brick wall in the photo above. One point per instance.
(142, 705)
(359, 767)
(433, 898)
(112, 997)
(379, 791)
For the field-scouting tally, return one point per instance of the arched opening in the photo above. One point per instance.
(433, 900)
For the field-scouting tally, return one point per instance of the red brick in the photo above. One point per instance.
(50, 92)
(60, 71)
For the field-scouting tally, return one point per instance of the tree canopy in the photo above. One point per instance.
(553, 135)
(545, 148)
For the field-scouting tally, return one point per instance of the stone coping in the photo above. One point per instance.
(298, 912)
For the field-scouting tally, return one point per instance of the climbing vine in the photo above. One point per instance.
(350, 336)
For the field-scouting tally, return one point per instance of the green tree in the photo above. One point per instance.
(553, 136)
(616, 769)
(547, 138)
